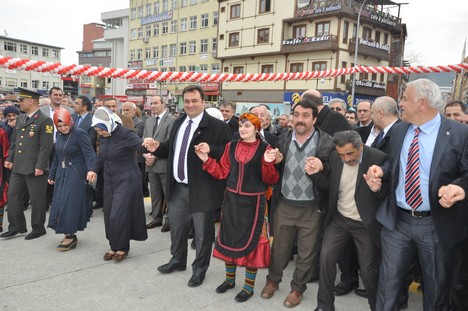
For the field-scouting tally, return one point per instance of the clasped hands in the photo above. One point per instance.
(150, 144)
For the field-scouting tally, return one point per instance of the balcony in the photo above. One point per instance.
(310, 44)
(367, 87)
(370, 48)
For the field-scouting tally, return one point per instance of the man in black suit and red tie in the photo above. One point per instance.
(426, 209)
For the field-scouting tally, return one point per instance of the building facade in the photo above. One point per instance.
(10, 80)
(273, 36)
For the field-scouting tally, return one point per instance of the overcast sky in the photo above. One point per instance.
(436, 30)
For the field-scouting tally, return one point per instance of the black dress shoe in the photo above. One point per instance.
(10, 234)
(69, 246)
(361, 292)
(318, 309)
(224, 287)
(166, 227)
(344, 288)
(169, 268)
(34, 235)
(243, 296)
(195, 281)
(154, 224)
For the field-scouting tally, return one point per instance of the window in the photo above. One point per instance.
(182, 69)
(226, 69)
(263, 35)
(172, 69)
(192, 2)
(377, 36)
(214, 68)
(233, 39)
(296, 67)
(174, 4)
(35, 84)
(192, 47)
(345, 32)
(318, 66)
(45, 52)
(183, 48)
(24, 48)
(204, 46)
(193, 22)
(183, 24)
(238, 69)
(382, 77)
(299, 31)
(343, 77)
(139, 54)
(215, 18)
(133, 34)
(183, 3)
(147, 53)
(267, 68)
(214, 44)
(165, 6)
(385, 38)
(163, 69)
(132, 54)
(374, 77)
(367, 33)
(148, 31)
(164, 28)
(204, 20)
(156, 30)
(265, 6)
(322, 29)
(24, 83)
(11, 83)
(155, 51)
(164, 51)
(9, 46)
(45, 85)
(56, 54)
(354, 31)
(148, 9)
(235, 11)
(204, 68)
(140, 32)
(191, 68)
(157, 7)
(140, 11)
(34, 50)
(173, 26)
(173, 50)
(133, 13)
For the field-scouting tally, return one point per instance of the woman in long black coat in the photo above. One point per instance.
(74, 158)
(124, 212)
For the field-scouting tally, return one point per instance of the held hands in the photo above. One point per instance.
(450, 194)
(38, 172)
(91, 177)
(278, 157)
(8, 165)
(313, 165)
(149, 159)
(373, 178)
(270, 155)
(202, 150)
(150, 144)
(50, 181)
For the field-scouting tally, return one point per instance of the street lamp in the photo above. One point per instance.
(353, 88)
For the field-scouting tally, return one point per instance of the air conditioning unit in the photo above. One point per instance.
(145, 40)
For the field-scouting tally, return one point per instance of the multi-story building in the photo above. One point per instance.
(460, 84)
(173, 35)
(272, 36)
(40, 82)
(116, 34)
(96, 51)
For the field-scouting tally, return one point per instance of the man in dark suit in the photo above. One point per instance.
(426, 208)
(28, 157)
(158, 127)
(351, 214)
(83, 117)
(328, 120)
(189, 185)
(227, 110)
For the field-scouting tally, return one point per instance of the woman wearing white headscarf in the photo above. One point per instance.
(124, 214)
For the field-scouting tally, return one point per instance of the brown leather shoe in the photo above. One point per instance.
(109, 255)
(154, 224)
(166, 227)
(269, 290)
(293, 300)
(120, 255)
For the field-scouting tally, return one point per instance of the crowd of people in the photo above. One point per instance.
(379, 190)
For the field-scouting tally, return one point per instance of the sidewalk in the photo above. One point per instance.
(35, 276)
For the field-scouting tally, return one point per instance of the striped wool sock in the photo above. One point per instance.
(1, 215)
(250, 275)
(230, 273)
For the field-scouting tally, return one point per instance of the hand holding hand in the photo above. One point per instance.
(202, 150)
(38, 172)
(150, 144)
(313, 165)
(91, 177)
(270, 155)
(50, 181)
(8, 165)
(450, 194)
(375, 172)
(374, 183)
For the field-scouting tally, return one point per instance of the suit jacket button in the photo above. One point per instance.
(19, 151)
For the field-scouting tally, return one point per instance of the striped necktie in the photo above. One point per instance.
(412, 183)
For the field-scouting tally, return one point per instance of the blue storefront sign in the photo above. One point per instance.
(294, 97)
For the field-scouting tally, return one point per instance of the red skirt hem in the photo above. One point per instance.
(259, 258)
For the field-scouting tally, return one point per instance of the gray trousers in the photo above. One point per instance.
(157, 183)
(398, 249)
(180, 220)
(338, 233)
(290, 222)
(36, 186)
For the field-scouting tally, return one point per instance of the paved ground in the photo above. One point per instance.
(35, 276)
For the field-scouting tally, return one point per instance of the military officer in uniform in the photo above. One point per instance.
(28, 158)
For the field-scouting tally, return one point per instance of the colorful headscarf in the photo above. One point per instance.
(62, 115)
(105, 119)
(252, 118)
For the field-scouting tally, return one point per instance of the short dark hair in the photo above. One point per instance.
(227, 104)
(54, 88)
(108, 99)
(307, 104)
(454, 103)
(341, 139)
(85, 101)
(351, 111)
(193, 88)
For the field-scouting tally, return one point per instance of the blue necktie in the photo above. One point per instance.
(183, 152)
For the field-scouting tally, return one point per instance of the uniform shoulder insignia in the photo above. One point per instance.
(49, 129)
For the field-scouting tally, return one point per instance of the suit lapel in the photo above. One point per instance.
(443, 138)
(362, 167)
(160, 124)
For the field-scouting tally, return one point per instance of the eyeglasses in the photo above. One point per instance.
(336, 108)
